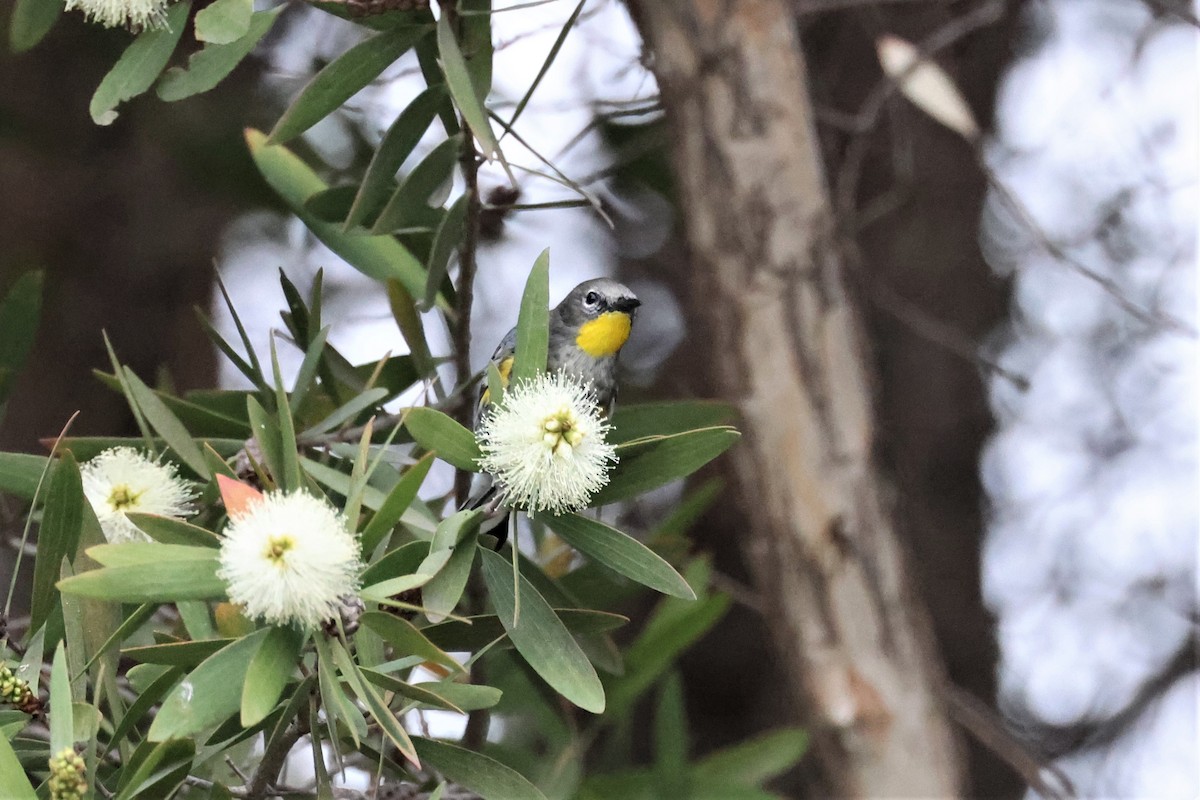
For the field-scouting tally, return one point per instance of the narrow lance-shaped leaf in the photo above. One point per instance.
(59, 536)
(533, 323)
(436, 431)
(462, 89)
(379, 257)
(31, 20)
(409, 205)
(209, 66)
(210, 693)
(476, 772)
(620, 552)
(62, 718)
(375, 706)
(442, 593)
(660, 462)
(540, 636)
(397, 143)
(223, 21)
(166, 424)
(445, 242)
(268, 673)
(139, 65)
(342, 78)
(145, 583)
(553, 54)
(397, 502)
(12, 774)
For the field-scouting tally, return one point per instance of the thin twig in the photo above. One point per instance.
(1059, 253)
(940, 333)
(982, 723)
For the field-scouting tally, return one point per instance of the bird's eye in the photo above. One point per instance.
(591, 300)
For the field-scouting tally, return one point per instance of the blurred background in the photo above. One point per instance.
(1031, 307)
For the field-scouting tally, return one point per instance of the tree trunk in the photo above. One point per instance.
(821, 533)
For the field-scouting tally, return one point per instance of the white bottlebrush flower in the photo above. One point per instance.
(121, 480)
(133, 14)
(289, 559)
(545, 445)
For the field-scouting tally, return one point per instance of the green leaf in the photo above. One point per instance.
(462, 89)
(662, 461)
(31, 21)
(58, 538)
(397, 502)
(224, 21)
(268, 673)
(379, 257)
(419, 694)
(756, 761)
(62, 716)
(436, 431)
(540, 636)
(533, 323)
(147, 583)
(342, 78)
(209, 694)
(12, 774)
(409, 205)
(642, 420)
(156, 770)
(475, 23)
(407, 640)
(378, 709)
(467, 696)
(347, 412)
(289, 478)
(558, 43)
(671, 739)
(176, 654)
(478, 631)
(20, 473)
(166, 424)
(381, 592)
(447, 239)
(476, 772)
(139, 65)
(441, 595)
(334, 702)
(397, 144)
(209, 66)
(675, 626)
(169, 530)
(128, 554)
(19, 315)
(266, 433)
(620, 552)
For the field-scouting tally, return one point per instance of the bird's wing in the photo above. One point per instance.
(503, 359)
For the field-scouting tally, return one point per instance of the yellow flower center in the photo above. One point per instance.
(277, 548)
(561, 433)
(122, 498)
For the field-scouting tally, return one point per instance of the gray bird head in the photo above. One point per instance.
(591, 299)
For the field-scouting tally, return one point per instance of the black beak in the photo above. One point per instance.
(626, 304)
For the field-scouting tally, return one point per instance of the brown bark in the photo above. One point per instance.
(822, 535)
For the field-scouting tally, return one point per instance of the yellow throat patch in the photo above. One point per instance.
(604, 335)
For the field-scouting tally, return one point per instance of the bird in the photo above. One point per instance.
(587, 331)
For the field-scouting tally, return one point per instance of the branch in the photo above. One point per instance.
(822, 534)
